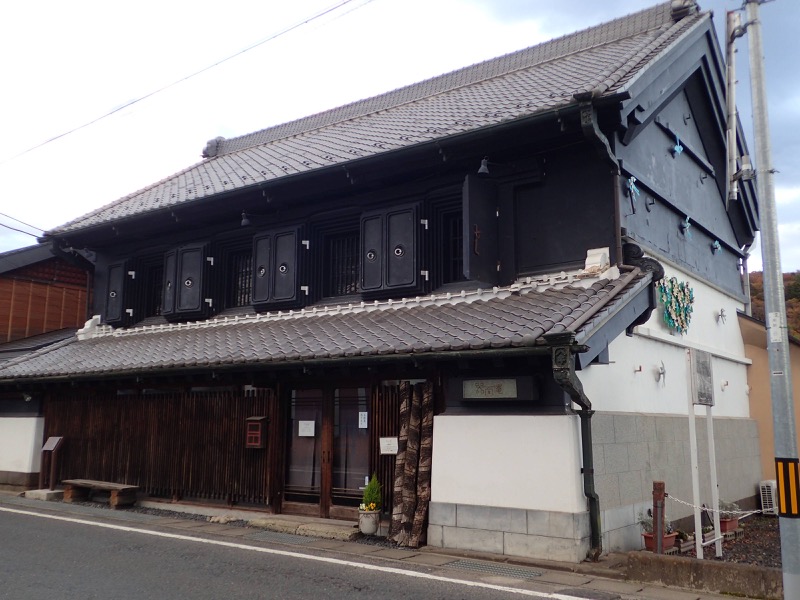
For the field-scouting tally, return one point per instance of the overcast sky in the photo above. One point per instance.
(67, 63)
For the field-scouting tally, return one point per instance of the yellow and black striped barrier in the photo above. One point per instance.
(788, 477)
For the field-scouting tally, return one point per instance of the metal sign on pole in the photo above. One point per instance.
(775, 307)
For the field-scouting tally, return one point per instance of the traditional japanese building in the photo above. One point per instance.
(481, 287)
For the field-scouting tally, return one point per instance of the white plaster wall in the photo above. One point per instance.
(20, 444)
(629, 383)
(509, 461)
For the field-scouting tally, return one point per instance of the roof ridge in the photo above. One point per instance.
(549, 50)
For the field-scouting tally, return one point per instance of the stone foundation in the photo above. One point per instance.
(538, 534)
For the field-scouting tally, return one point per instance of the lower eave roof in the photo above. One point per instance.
(500, 319)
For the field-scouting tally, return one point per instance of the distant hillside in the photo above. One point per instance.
(791, 289)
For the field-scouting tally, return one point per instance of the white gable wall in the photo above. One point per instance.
(622, 387)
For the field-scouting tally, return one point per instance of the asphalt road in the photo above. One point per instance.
(47, 559)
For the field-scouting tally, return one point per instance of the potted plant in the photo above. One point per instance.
(728, 516)
(685, 541)
(668, 538)
(369, 511)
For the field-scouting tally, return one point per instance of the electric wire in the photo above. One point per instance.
(23, 222)
(305, 21)
(19, 230)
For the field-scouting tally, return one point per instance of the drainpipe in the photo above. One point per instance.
(563, 350)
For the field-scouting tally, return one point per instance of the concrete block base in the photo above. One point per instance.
(45, 494)
(509, 531)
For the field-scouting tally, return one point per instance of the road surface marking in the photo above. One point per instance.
(324, 559)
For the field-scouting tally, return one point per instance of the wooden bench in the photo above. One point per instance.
(81, 489)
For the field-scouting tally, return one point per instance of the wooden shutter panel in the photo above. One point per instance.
(262, 268)
(168, 293)
(190, 279)
(277, 268)
(480, 233)
(285, 267)
(372, 249)
(115, 293)
(401, 251)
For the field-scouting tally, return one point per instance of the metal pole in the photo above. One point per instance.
(777, 335)
(732, 22)
(712, 470)
(698, 521)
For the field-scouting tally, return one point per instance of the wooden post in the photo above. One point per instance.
(658, 516)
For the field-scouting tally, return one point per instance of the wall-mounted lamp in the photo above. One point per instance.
(720, 316)
(246, 218)
(27, 397)
(724, 385)
(483, 170)
(715, 247)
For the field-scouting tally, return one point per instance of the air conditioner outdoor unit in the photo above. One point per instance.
(769, 496)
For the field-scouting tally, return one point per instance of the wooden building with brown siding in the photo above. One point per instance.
(44, 299)
(40, 292)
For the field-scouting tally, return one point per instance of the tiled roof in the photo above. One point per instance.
(23, 257)
(9, 350)
(500, 318)
(601, 59)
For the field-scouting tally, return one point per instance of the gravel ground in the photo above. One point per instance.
(760, 545)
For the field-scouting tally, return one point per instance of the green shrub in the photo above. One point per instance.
(372, 495)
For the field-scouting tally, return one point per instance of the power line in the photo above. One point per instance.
(322, 13)
(23, 222)
(19, 230)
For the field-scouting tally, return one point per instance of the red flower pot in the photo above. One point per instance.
(726, 525)
(667, 542)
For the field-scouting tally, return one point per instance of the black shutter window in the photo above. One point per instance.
(372, 248)
(262, 268)
(479, 201)
(170, 262)
(285, 267)
(401, 229)
(191, 270)
(115, 288)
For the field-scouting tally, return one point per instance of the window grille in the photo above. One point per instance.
(452, 251)
(341, 276)
(240, 269)
(155, 285)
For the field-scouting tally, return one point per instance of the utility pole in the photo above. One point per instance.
(786, 460)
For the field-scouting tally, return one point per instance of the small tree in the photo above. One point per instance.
(371, 499)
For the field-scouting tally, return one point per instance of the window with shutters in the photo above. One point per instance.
(341, 264)
(240, 278)
(153, 291)
(452, 247)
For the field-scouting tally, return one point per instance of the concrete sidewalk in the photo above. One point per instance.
(604, 580)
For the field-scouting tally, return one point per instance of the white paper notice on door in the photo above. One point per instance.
(305, 429)
(362, 420)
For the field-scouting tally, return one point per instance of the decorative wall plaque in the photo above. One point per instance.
(677, 298)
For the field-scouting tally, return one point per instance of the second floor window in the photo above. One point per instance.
(240, 274)
(341, 266)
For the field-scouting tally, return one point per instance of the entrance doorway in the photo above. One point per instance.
(328, 454)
